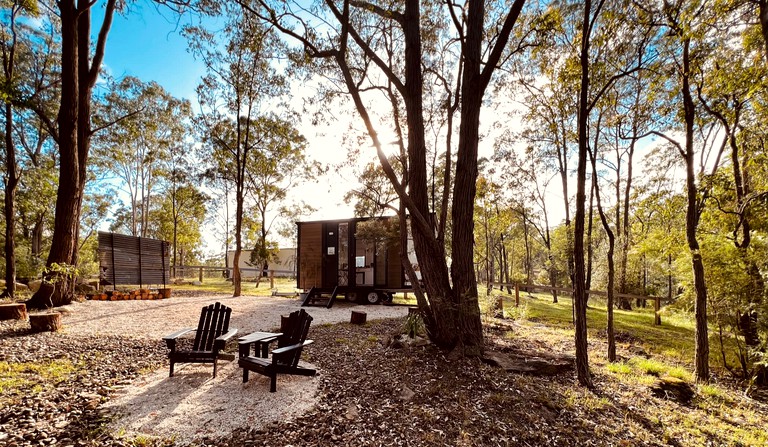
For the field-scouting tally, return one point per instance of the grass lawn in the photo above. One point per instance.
(673, 340)
(249, 286)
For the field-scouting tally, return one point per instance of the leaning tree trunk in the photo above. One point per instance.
(611, 266)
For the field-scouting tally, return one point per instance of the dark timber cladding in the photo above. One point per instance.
(357, 254)
(130, 260)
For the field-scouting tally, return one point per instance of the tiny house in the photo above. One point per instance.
(358, 258)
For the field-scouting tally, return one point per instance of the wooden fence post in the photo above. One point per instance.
(656, 309)
(201, 274)
(271, 279)
(517, 295)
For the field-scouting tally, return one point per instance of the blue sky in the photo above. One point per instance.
(146, 43)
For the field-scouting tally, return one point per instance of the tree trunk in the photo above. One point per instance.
(590, 249)
(236, 276)
(763, 10)
(78, 76)
(443, 303)
(625, 227)
(611, 245)
(462, 272)
(528, 260)
(692, 222)
(37, 236)
(68, 196)
(579, 292)
(11, 180)
(552, 274)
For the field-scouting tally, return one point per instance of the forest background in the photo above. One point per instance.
(646, 120)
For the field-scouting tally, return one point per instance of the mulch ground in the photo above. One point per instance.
(371, 395)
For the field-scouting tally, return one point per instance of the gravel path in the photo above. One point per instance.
(121, 343)
(154, 319)
(192, 404)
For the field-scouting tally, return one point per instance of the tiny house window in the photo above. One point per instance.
(359, 261)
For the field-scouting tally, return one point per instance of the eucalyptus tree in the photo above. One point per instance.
(278, 163)
(635, 101)
(12, 47)
(182, 198)
(179, 218)
(549, 82)
(603, 59)
(733, 92)
(349, 40)
(72, 130)
(242, 84)
(375, 193)
(688, 28)
(148, 124)
(528, 176)
(27, 47)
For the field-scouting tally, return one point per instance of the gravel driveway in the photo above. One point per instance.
(193, 405)
(156, 318)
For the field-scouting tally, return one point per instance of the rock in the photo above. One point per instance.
(34, 285)
(64, 310)
(674, 389)
(352, 412)
(197, 283)
(407, 394)
(403, 341)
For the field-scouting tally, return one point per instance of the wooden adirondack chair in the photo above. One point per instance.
(211, 336)
(285, 358)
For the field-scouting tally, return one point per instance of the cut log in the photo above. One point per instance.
(45, 322)
(358, 317)
(13, 311)
(673, 388)
(533, 363)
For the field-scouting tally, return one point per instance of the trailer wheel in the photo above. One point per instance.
(373, 297)
(388, 297)
(353, 297)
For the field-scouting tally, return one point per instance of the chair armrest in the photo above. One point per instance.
(290, 348)
(178, 334)
(255, 338)
(170, 340)
(222, 339)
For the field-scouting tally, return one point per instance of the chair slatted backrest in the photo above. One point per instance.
(214, 321)
(294, 332)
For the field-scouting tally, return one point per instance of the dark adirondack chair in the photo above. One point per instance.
(211, 336)
(285, 358)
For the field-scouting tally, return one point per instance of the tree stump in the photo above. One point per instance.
(358, 317)
(45, 322)
(13, 311)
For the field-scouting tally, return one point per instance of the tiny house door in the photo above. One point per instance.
(330, 254)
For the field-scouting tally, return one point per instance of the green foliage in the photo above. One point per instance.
(413, 325)
(56, 271)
